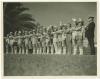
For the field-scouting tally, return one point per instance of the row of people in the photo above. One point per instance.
(64, 39)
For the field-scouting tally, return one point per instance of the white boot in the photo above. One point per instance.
(23, 51)
(47, 50)
(19, 50)
(6, 50)
(15, 51)
(81, 51)
(12, 50)
(26, 51)
(74, 51)
(64, 50)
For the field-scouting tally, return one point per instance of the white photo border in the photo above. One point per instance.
(48, 77)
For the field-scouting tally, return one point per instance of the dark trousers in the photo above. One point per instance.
(91, 43)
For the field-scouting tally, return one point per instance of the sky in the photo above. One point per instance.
(51, 13)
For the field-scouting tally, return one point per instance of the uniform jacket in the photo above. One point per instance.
(89, 31)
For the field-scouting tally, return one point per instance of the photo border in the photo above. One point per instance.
(48, 77)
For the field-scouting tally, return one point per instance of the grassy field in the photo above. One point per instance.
(49, 65)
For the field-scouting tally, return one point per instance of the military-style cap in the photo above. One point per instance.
(65, 24)
(80, 20)
(91, 17)
(10, 32)
(73, 19)
(19, 32)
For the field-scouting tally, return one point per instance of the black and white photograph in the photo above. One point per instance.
(50, 38)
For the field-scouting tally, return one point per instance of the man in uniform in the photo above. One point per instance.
(89, 33)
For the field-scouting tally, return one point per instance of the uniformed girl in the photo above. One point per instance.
(63, 47)
(7, 41)
(69, 39)
(26, 42)
(23, 42)
(74, 35)
(44, 40)
(11, 42)
(30, 43)
(15, 42)
(38, 43)
(34, 42)
(19, 42)
(51, 40)
(80, 36)
(47, 42)
(55, 41)
(59, 40)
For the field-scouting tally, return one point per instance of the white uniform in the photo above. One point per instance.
(77, 40)
(26, 43)
(55, 41)
(63, 43)
(34, 43)
(20, 44)
(7, 44)
(47, 44)
(11, 42)
(60, 43)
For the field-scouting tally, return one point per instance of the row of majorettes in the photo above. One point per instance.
(64, 39)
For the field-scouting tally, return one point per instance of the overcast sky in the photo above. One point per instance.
(52, 13)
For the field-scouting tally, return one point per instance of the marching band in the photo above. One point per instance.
(64, 39)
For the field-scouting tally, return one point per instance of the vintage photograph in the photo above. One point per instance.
(50, 38)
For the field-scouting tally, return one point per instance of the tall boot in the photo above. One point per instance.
(19, 50)
(75, 51)
(81, 51)
(26, 51)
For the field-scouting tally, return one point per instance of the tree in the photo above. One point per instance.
(15, 17)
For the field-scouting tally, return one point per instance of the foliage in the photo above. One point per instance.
(15, 17)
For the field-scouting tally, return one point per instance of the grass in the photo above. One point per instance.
(49, 65)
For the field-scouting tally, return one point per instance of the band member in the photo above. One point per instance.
(74, 35)
(23, 41)
(78, 39)
(38, 43)
(11, 42)
(7, 43)
(26, 42)
(60, 39)
(34, 42)
(90, 34)
(55, 41)
(44, 40)
(41, 42)
(30, 42)
(63, 40)
(80, 36)
(47, 42)
(51, 39)
(15, 42)
(19, 42)
(69, 39)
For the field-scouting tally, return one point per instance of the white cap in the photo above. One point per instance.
(80, 19)
(74, 19)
